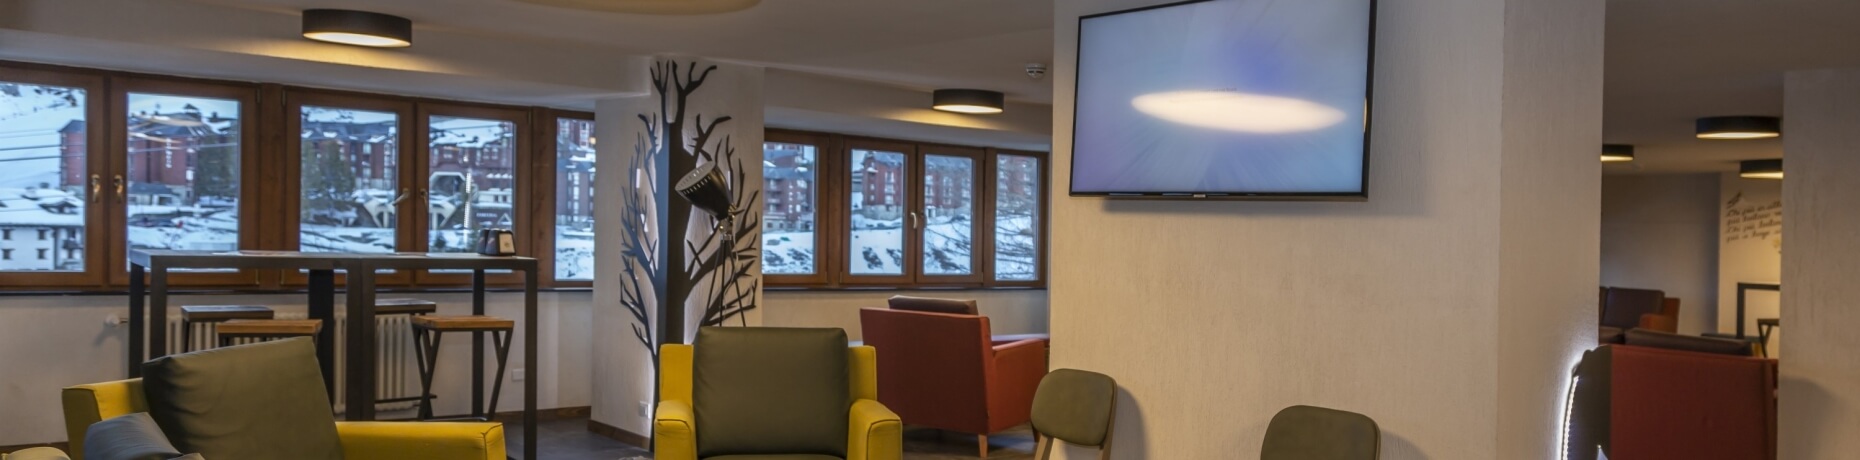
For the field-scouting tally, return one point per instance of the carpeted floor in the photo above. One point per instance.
(569, 439)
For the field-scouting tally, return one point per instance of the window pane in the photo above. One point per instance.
(349, 186)
(788, 208)
(574, 199)
(1017, 213)
(949, 190)
(183, 172)
(42, 177)
(878, 207)
(472, 175)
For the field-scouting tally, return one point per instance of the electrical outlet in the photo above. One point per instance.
(516, 375)
(643, 408)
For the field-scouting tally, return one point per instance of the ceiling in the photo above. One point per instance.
(1668, 62)
(1671, 62)
(911, 43)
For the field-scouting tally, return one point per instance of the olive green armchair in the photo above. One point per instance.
(772, 393)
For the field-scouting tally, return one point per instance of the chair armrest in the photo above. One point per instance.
(875, 433)
(674, 432)
(1018, 368)
(36, 453)
(403, 440)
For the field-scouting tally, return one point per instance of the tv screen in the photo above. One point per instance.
(1225, 98)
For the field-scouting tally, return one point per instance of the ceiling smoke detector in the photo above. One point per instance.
(1036, 70)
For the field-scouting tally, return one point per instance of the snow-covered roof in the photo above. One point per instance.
(40, 207)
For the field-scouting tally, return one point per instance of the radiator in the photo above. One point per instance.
(393, 342)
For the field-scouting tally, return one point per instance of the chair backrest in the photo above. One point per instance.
(1316, 433)
(262, 400)
(771, 391)
(933, 367)
(1076, 406)
(1623, 306)
(933, 305)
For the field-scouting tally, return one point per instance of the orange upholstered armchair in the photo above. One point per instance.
(942, 370)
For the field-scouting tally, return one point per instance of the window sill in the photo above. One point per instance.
(898, 288)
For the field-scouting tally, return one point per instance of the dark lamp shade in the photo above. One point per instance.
(1737, 128)
(1761, 169)
(970, 101)
(704, 187)
(1617, 153)
(359, 28)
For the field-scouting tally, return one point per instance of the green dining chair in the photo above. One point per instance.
(1075, 406)
(1316, 433)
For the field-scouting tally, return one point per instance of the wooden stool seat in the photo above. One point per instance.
(271, 327)
(218, 313)
(405, 307)
(463, 323)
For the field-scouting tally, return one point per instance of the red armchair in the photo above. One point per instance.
(942, 370)
(1659, 398)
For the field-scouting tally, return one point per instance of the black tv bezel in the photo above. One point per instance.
(1369, 84)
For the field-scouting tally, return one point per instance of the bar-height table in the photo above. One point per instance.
(359, 381)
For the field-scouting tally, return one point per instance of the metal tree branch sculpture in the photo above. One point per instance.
(724, 265)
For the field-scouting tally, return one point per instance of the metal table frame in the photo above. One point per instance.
(359, 381)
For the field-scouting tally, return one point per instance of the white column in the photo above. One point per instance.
(1819, 394)
(1449, 307)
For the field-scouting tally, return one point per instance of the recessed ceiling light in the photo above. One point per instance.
(1612, 153)
(970, 101)
(1741, 127)
(1761, 169)
(359, 28)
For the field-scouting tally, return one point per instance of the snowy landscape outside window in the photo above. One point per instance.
(789, 172)
(471, 181)
(183, 172)
(574, 199)
(42, 176)
(1017, 210)
(349, 184)
(877, 233)
(948, 214)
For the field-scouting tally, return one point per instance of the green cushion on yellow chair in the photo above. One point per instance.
(263, 400)
(771, 391)
(775, 457)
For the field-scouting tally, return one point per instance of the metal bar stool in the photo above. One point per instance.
(268, 329)
(427, 330)
(411, 308)
(214, 314)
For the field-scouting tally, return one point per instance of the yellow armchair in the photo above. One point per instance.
(87, 404)
(874, 432)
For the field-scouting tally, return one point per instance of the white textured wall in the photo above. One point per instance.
(1013, 311)
(1820, 389)
(1661, 232)
(1745, 258)
(51, 342)
(1412, 308)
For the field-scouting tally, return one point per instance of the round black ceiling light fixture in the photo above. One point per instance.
(969, 101)
(1614, 153)
(359, 28)
(1739, 127)
(1761, 169)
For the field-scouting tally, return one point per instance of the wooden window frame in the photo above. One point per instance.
(825, 190)
(834, 218)
(1041, 220)
(269, 171)
(290, 196)
(547, 126)
(522, 219)
(249, 169)
(97, 168)
(978, 210)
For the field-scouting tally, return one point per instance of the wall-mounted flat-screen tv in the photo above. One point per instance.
(1259, 99)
